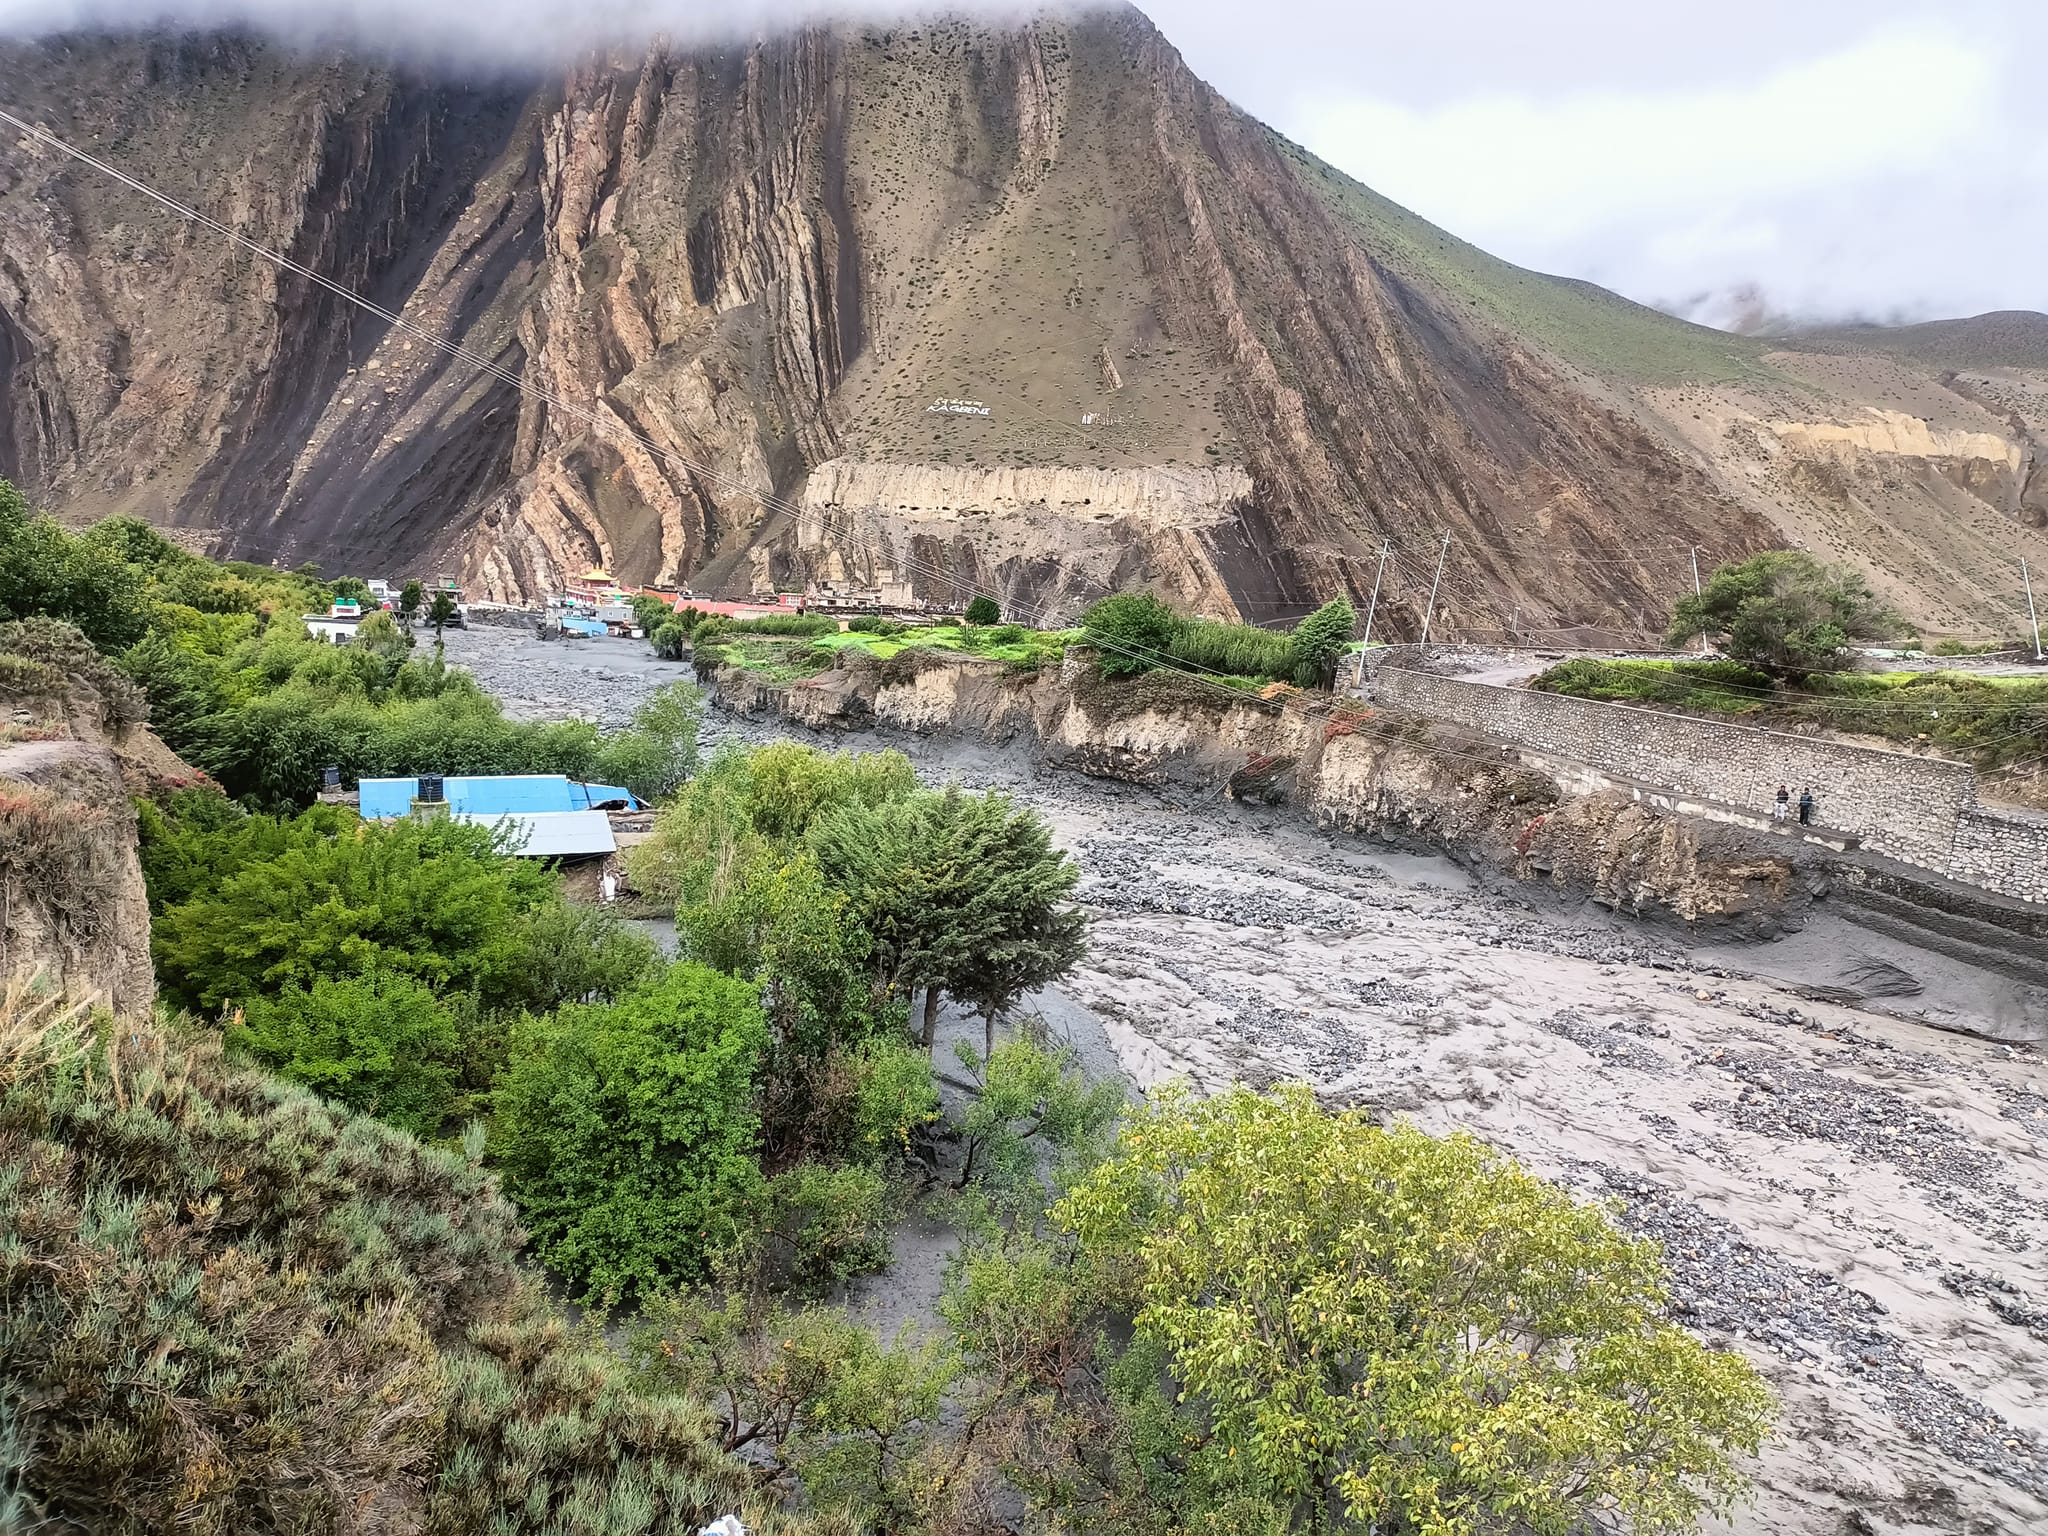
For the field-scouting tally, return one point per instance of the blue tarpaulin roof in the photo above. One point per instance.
(493, 795)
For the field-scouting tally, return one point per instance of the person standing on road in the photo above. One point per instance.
(1783, 806)
(1806, 806)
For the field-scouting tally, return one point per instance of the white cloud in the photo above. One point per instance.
(1830, 183)
(1528, 168)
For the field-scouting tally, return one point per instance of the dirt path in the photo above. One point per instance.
(1858, 1201)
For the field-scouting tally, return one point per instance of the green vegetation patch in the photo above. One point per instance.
(1987, 721)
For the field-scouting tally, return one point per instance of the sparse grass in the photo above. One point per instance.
(1575, 320)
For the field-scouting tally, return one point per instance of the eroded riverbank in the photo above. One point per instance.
(1856, 1199)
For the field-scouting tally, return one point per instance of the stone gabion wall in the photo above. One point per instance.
(2002, 853)
(1921, 811)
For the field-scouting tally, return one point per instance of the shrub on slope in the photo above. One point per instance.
(226, 1306)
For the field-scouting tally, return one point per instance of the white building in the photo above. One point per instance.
(337, 626)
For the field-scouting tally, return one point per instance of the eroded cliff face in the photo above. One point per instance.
(1398, 781)
(73, 911)
(719, 305)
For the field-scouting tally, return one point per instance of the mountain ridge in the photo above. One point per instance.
(762, 259)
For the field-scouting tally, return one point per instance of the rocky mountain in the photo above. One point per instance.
(1029, 310)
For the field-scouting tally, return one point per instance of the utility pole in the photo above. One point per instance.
(2032, 616)
(1374, 606)
(1515, 628)
(1429, 615)
(1697, 594)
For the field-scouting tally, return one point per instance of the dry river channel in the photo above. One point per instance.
(1857, 1200)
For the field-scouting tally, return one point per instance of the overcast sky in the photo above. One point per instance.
(1871, 158)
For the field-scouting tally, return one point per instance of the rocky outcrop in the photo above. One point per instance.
(700, 292)
(954, 531)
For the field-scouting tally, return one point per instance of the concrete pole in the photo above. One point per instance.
(1429, 614)
(2032, 616)
(1697, 593)
(1374, 606)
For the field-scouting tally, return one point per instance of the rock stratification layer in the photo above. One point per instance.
(708, 294)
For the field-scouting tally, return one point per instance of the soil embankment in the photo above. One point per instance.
(72, 906)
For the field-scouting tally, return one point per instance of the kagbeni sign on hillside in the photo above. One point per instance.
(958, 408)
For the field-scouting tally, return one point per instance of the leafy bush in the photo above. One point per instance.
(381, 1044)
(1412, 1328)
(983, 610)
(668, 639)
(439, 903)
(1320, 640)
(45, 573)
(659, 751)
(800, 625)
(1241, 650)
(1132, 632)
(626, 1132)
(62, 648)
(822, 1405)
(814, 1227)
(232, 1307)
(562, 952)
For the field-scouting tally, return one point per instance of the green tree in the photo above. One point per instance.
(441, 612)
(351, 589)
(439, 903)
(1320, 641)
(411, 598)
(1030, 1101)
(1785, 613)
(650, 612)
(1132, 632)
(668, 639)
(46, 573)
(381, 1044)
(984, 610)
(378, 638)
(1411, 1332)
(626, 1133)
(821, 1404)
(658, 752)
(961, 894)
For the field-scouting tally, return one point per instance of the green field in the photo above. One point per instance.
(784, 659)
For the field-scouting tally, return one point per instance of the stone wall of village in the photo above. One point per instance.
(1922, 811)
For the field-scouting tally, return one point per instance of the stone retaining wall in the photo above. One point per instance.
(1921, 811)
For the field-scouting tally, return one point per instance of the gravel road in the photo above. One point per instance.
(1856, 1200)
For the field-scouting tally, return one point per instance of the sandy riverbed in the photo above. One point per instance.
(1857, 1200)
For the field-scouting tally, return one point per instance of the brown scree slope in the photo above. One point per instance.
(1210, 363)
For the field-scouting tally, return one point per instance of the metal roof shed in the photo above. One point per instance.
(550, 834)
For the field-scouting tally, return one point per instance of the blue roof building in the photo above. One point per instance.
(550, 815)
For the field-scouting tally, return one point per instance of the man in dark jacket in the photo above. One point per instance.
(1783, 807)
(1806, 804)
